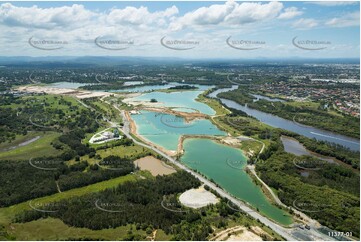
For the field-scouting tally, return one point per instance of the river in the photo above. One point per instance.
(278, 122)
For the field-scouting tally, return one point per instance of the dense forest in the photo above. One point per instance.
(136, 202)
(147, 205)
(329, 194)
(37, 182)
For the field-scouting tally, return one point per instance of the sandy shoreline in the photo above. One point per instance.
(134, 130)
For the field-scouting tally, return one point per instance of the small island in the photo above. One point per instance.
(183, 87)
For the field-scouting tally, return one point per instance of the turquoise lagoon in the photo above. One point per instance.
(181, 101)
(165, 130)
(225, 165)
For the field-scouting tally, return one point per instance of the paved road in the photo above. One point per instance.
(292, 234)
(286, 233)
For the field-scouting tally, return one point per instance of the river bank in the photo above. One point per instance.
(278, 122)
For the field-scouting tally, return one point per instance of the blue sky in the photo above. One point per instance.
(253, 29)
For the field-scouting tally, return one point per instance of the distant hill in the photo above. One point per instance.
(59, 61)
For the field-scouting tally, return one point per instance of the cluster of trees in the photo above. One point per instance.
(328, 194)
(22, 181)
(140, 203)
(96, 173)
(136, 202)
(236, 112)
(74, 145)
(240, 96)
(183, 87)
(39, 114)
(334, 176)
(317, 117)
(245, 125)
(11, 125)
(123, 141)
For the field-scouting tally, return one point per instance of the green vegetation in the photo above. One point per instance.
(313, 114)
(7, 214)
(328, 195)
(140, 203)
(240, 96)
(63, 121)
(105, 110)
(179, 88)
(333, 188)
(82, 175)
(40, 177)
(213, 103)
(40, 147)
(20, 140)
(142, 212)
(19, 115)
(183, 87)
(248, 126)
(51, 229)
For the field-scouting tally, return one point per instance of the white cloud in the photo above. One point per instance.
(253, 12)
(229, 13)
(305, 23)
(210, 25)
(140, 16)
(347, 20)
(290, 13)
(46, 18)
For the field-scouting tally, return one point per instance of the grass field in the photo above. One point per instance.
(161, 236)
(20, 139)
(38, 148)
(54, 229)
(313, 106)
(109, 110)
(52, 100)
(130, 152)
(249, 146)
(214, 104)
(237, 129)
